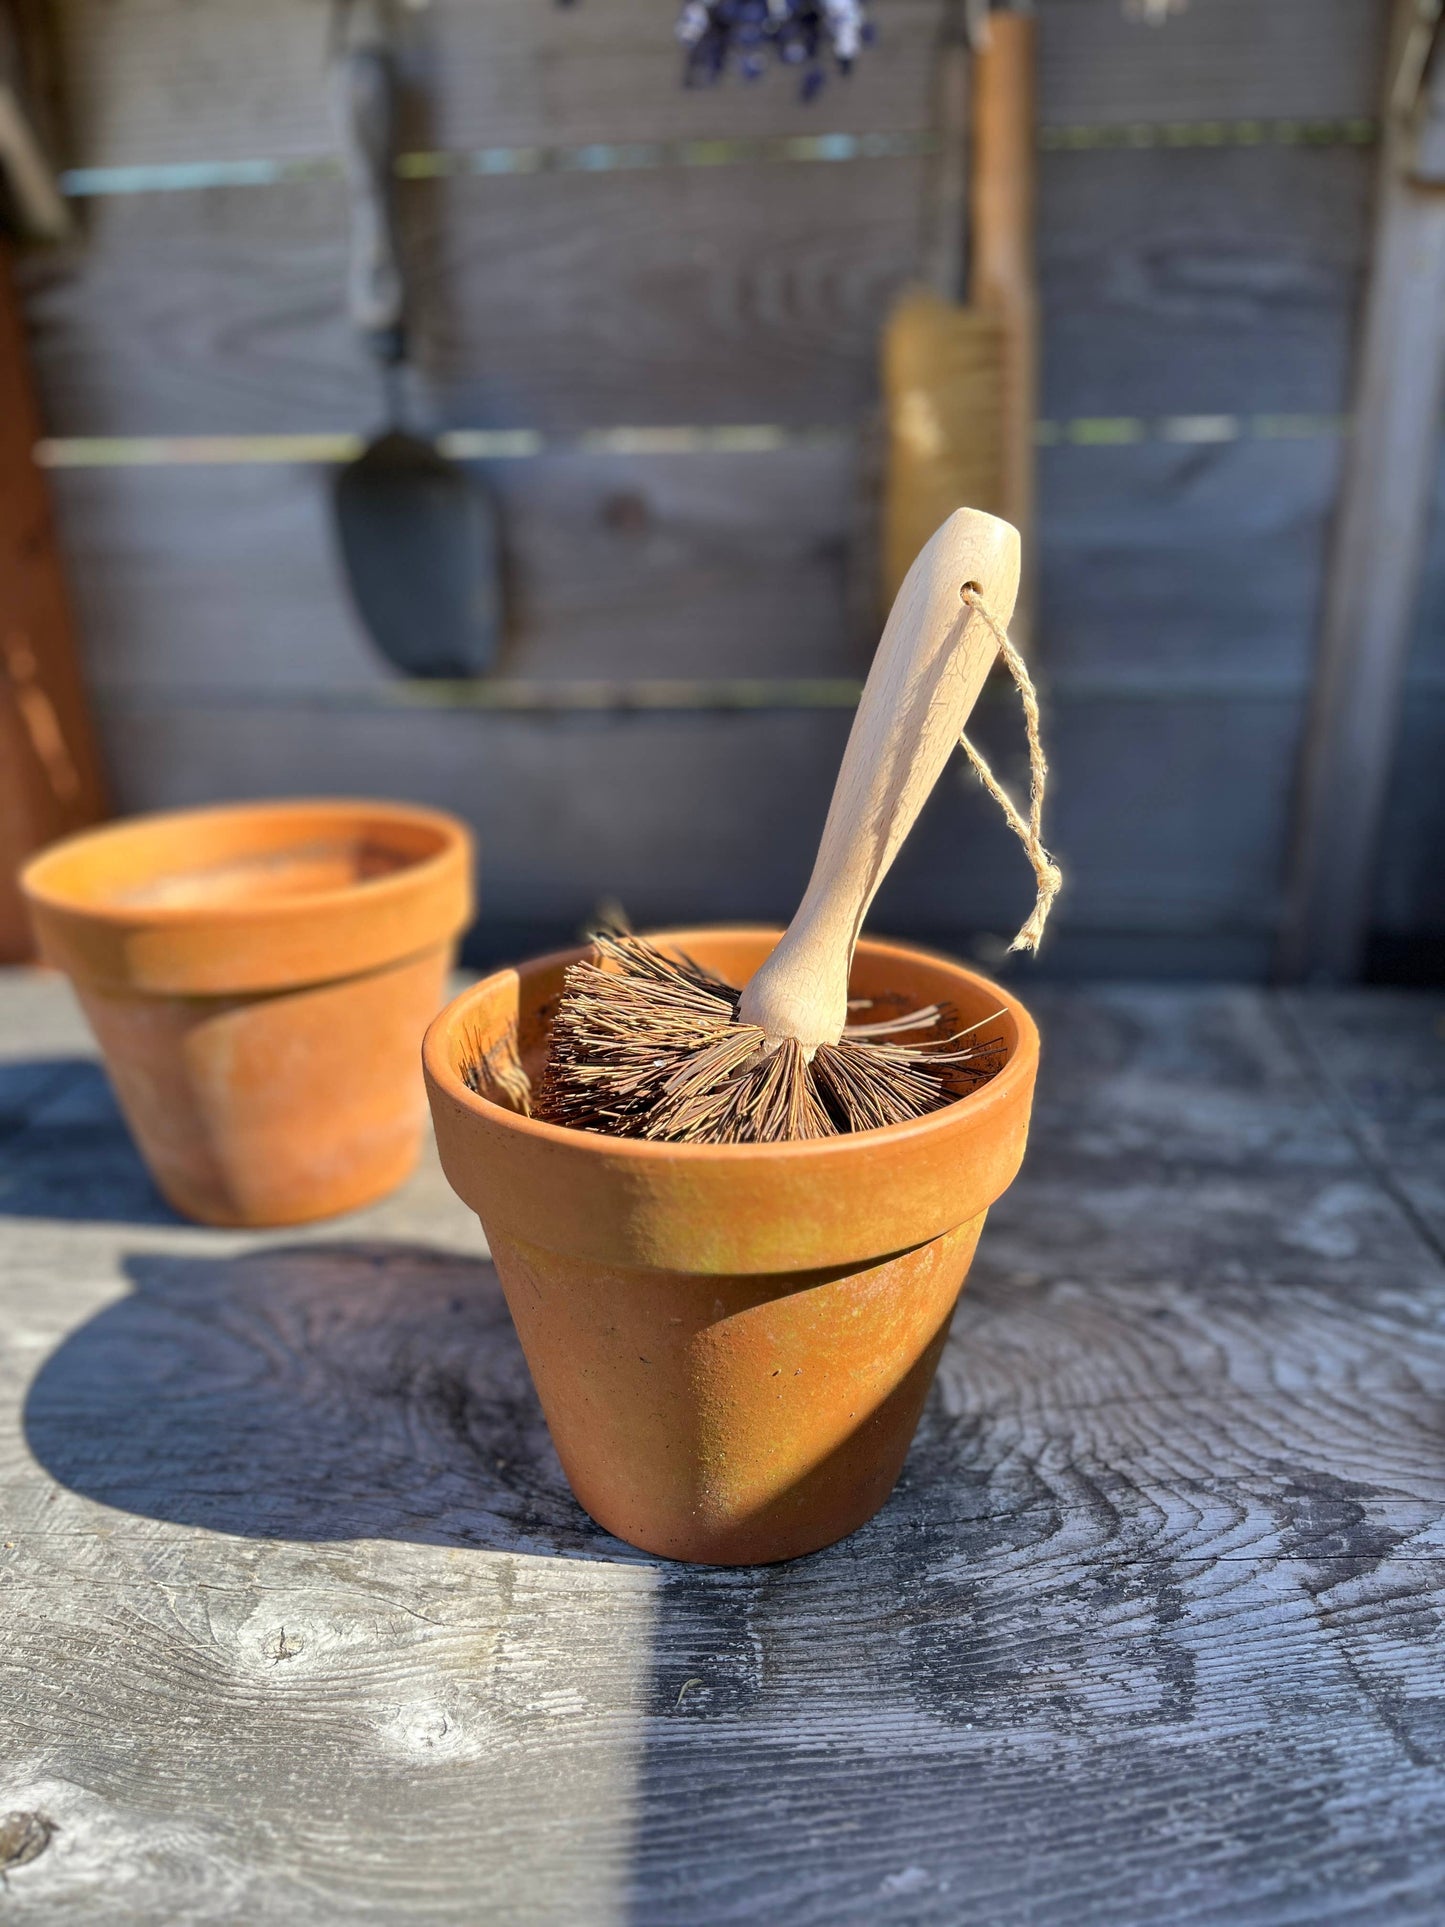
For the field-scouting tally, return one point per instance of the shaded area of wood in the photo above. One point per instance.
(1378, 547)
(1149, 1634)
(1407, 913)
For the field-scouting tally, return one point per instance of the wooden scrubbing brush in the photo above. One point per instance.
(960, 352)
(647, 1045)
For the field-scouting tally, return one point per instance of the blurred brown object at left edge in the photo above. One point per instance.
(50, 780)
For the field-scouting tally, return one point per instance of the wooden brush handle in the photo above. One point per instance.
(1001, 263)
(1001, 257)
(930, 666)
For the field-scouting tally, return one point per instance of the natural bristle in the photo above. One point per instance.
(647, 1045)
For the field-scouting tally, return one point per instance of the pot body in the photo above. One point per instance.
(257, 978)
(732, 1344)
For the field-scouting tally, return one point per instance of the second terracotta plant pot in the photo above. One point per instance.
(257, 977)
(732, 1344)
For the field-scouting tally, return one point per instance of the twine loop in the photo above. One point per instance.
(1029, 830)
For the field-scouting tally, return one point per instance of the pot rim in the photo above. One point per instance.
(249, 944)
(997, 1092)
(302, 903)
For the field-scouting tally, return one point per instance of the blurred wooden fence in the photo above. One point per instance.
(600, 257)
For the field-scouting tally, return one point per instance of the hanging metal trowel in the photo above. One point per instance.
(418, 534)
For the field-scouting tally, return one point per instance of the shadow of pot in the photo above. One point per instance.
(732, 1344)
(257, 976)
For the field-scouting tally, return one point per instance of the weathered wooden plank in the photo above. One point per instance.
(734, 294)
(302, 1622)
(712, 565)
(1166, 814)
(1200, 281)
(618, 566)
(1132, 539)
(1374, 569)
(1228, 60)
(1188, 282)
(157, 81)
(1176, 688)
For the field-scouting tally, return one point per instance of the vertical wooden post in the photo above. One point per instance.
(1382, 522)
(50, 779)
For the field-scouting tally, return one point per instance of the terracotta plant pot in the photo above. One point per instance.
(732, 1344)
(257, 977)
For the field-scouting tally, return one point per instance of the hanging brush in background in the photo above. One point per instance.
(960, 349)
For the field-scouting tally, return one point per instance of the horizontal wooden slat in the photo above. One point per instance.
(711, 566)
(185, 80)
(1171, 282)
(1165, 564)
(747, 293)
(1215, 59)
(1165, 821)
(159, 80)
(1200, 279)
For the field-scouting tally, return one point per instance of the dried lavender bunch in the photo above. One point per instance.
(744, 35)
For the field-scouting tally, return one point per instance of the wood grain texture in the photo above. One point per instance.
(1165, 814)
(302, 1622)
(1131, 544)
(50, 778)
(729, 564)
(1372, 581)
(153, 80)
(1171, 282)
(1231, 59)
(1384, 1068)
(749, 293)
(1200, 280)
(173, 80)
(619, 566)
(1170, 779)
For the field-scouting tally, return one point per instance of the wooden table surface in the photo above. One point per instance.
(299, 1622)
